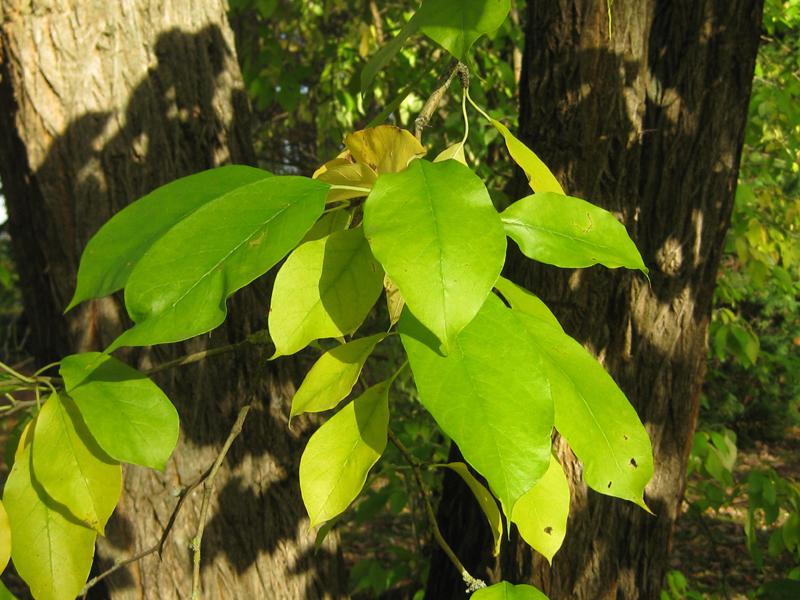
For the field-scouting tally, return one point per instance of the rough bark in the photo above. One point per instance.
(648, 124)
(101, 102)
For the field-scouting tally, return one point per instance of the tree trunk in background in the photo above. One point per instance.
(648, 124)
(101, 102)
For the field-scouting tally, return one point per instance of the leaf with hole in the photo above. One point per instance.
(338, 457)
(457, 24)
(132, 420)
(71, 467)
(114, 251)
(333, 376)
(541, 514)
(435, 231)
(489, 395)
(593, 415)
(540, 178)
(569, 232)
(52, 551)
(180, 286)
(325, 289)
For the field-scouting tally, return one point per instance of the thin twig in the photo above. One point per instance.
(208, 487)
(433, 101)
(194, 357)
(473, 583)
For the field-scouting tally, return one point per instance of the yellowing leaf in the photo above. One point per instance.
(339, 455)
(385, 148)
(343, 171)
(324, 290)
(72, 468)
(5, 538)
(52, 551)
(454, 152)
(541, 514)
(394, 300)
(485, 500)
(333, 376)
(539, 176)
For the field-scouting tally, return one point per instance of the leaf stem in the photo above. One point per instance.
(473, 583)
(352, 188)
(476, 107)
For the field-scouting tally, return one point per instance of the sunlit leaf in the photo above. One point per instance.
(345, 172)
(385, 148)
(5, 539)
(435, 231)
(394, 300)
(569, 232)
(593, 415)
(52, 551)
(507, 591)
(489, 395)
(71, 467)
(339, 455)
(128, 414)
(541, 514)
(454, 152)
(524, 301)
(215, 251)
(457, 24)
(539, 176)
(113, 252)
(333, 376)
(324, 290)
(485, 499)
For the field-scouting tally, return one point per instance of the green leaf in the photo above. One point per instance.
(569, 232)
(485, 500)
(457, 24)
(338, 220)
(52, 551)
(128, 414)
(333, 376)
(325, 289)
(454, 152)
(524, 301)
(72, 468)
(440, 240)
(113, 252)
(381, 58)
(594, 416)
(5, 539)
(489, 395)
(339, 455)
(540, 178)
(179, 288)
(541, 514)
(507, 591)
(394, 301)
(5, 594)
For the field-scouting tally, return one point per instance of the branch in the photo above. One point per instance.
(473, 583)
(257, 338)
(433, 101)
(208, 487)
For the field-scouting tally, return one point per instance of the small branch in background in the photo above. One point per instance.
(257, 338)
(377, 21)
(433, 101)
(208, 487)
(473, 583)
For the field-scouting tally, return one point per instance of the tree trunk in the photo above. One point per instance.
(101, 102)
(649, 124)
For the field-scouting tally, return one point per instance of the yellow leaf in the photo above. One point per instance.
(385, 148)
(455, 152)
(343, 171)
(540, 178)
(5, 538)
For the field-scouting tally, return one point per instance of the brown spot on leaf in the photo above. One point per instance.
(548, 530)
(609, 484)
(633, 463)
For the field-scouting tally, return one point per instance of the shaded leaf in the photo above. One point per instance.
(325, 289)
(128, 414)
(394, 300)
(343, 171)
(339, 455)
(338, 220)
(569, 232)
(333, 376)
(540, 178)
(435, 231)
(381, 58)
(457, 24)
(51, 551)
(454, 152)
(113, 252)
(485, 500)
(216, 250)
(385, 148)
(72, 468)
(541, 514)
(489, 395)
